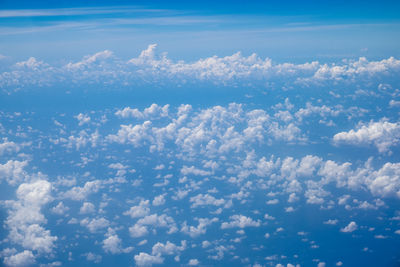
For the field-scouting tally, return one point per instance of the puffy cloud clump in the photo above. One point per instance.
(382, 134)
(25, 219)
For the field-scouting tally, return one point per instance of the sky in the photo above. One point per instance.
(213, 133)
(284, 30)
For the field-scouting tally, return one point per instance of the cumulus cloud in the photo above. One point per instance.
(382, 134)
(168, 248)
(82, 118)
(91, 61)
(25, 258)
(193, 262)
(154, 111)
(351, 227)
(94, 225)
(205, 200)
(217, 131)
(25, 218)
(200, 229)
(93, 257)
(158, 250)
(134, 135)
(13, 171)
(154, 220)
(138, 230)
(86, 208)
(60, 209)
(198, 150)
(323, 111)
(150, 67)
(80, 193)
(9, 147)
(212, 131)
(331, 222)
(159, 200)
(140, 210)
(113, 244)
(385, 181)
(240, 221)
(144, 259)
(193, 170)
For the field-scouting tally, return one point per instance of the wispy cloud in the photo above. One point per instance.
(14, 13)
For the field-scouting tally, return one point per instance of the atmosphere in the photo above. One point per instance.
(213, 133)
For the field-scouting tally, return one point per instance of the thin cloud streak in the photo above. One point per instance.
(14, 13)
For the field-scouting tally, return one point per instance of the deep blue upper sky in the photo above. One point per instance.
(329, 9)
(282, 30)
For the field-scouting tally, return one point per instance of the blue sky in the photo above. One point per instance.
(286, 30)
(182, 133)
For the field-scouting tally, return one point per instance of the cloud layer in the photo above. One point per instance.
(105, 69)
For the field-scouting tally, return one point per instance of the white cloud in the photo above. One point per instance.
(134, 135)
(309, 178)
(113, 244)
(86, 208)
(394, 103)
(351, 227)
(209, 132)
(289, 133)
(8, 147)
(138, 230)
(117, 166)
(269, 217)
(90, 61)
(193, 262)
(154, 220)
(60, 209)
(82, 118)
(362, 67)
(31, 63)
(240, 221)
(167, 248)
(385, 182)
(159, 200)
(104, 68)
(94, 225)
(205, 200)
(382, 134)
(200, 229)
(331, 222)
(273, 201)
(13, 171)
(81, 140)
(140, 210)
(24, 258)
(323, 111)
(154, 111)
(93, 257)
(144, 259)
(129, 112)
(315, 194)
(192, 170)
(25, 217)
(81, 193)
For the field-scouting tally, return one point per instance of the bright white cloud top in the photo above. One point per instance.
(106, 69)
